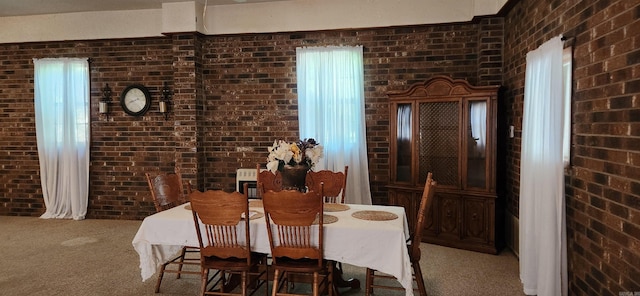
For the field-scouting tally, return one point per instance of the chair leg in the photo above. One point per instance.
(243, 282)
(205, 279)
(316, 283)
(274, 290)
(288, 285)
(369, 282)
(266, 277)
(417, 272)
(160, 275)
(182, 254)
(330, 276)
(226, 279)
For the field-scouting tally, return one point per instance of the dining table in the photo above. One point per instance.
(368, 236)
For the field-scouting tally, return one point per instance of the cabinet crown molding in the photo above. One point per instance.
(443, 86)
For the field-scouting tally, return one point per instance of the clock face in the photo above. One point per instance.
(135, 100)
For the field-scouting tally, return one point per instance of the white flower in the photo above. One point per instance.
(315, 153)
(272, 166)
(306, 152)
(280, 151)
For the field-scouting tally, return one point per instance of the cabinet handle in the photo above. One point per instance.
(474, 216)
(449, 213)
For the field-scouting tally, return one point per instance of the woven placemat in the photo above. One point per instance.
(374, 215)
(334, 207)
(255, 215)
(327, 219)
(255, 203)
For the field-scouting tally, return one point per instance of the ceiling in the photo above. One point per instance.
(33, 7)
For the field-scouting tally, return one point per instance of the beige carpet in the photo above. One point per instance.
(95, 257)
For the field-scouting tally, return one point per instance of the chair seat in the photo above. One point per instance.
(298, 265)
(232, 264)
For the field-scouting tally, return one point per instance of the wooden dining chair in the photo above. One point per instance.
(168, 191)
(296, 236)
(266, 180)
(413, 246)
(335, 184)
(222, 224)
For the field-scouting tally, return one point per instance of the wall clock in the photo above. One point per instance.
(135, 100)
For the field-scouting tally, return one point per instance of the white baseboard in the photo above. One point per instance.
(513, 233)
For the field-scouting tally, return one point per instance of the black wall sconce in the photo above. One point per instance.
(165, 101)
(103, 105)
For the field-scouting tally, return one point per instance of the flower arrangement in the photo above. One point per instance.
(304, 152)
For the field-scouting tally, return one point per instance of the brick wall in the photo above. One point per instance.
(233, 95)
(250, 85)
(118, 160)
(603, 187)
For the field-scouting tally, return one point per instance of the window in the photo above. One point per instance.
(61, 99)
(567, 57)
(331, 110)
(543, 245)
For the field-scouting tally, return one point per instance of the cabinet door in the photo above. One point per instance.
(477, 146)
(448, 207)
(430, 225)
(439, 142)
(406, 199)
(476, 220)
(401, 143)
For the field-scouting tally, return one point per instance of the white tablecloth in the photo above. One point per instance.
(375, 244)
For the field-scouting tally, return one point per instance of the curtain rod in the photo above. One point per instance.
(567, 38)
(568, 41)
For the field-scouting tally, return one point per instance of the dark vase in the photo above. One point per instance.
(294, 176)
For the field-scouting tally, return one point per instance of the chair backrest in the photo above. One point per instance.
(335, 184)
(218, 218)
(167, 190)
(267, 180)
(425, 206)
(294, 224)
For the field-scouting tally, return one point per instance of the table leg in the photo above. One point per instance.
(340, 282)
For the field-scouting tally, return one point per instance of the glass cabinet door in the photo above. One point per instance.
(439, 143)
(477, 144)
(404, 140)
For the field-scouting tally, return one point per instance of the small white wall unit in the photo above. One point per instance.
(247, 176)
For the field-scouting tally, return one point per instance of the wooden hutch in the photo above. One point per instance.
(448, 127)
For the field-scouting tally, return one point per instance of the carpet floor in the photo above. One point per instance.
(95, 257)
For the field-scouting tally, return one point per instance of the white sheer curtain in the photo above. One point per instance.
(478, 119)
(404, 123)
(543, 255)
(61, 88)
(567, 66)
(331, 110)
